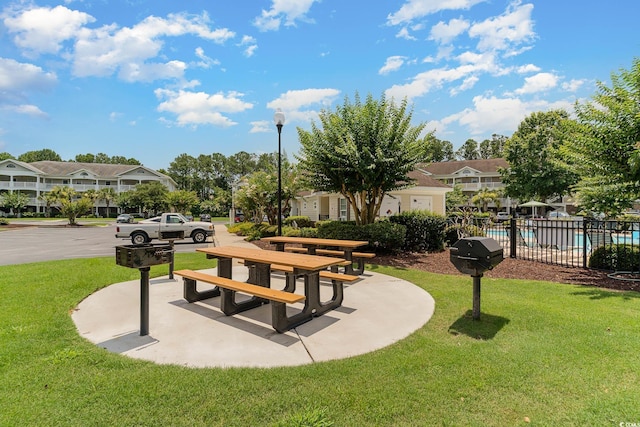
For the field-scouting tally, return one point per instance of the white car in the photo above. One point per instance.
(557, 215)
(503, 216)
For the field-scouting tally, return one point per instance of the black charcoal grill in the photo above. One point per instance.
(474, 256)
(143, 257)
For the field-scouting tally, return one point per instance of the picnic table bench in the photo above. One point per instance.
(260, 264)
(278, 299)
(332, 247)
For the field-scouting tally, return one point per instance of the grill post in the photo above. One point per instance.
(144, 301)
(476, 297)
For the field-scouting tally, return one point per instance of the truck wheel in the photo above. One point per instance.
(199, 236)
(138, 238)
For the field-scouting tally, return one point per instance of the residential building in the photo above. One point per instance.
(426, 194)
(35, 179)
(474, 175)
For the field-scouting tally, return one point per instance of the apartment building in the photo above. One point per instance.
(35, 179)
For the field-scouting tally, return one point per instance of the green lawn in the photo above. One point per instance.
(545, 353)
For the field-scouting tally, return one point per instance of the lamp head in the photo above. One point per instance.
(278, 118)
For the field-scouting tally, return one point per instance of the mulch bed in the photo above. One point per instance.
(508, 269)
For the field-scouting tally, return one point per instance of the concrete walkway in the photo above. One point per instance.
(377, 311)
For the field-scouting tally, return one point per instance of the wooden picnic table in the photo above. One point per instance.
(259, 263)
(315, 245)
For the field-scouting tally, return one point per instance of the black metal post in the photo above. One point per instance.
(476, 297)
(144, 301)
(279, 126)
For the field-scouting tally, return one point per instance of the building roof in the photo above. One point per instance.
(449, 168)
(423, 180)
(69, 168)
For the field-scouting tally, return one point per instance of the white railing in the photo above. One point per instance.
(18, 185)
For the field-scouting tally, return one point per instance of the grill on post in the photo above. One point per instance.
(474, 256)
(143, 257)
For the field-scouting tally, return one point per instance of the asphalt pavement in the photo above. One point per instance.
(40, 241)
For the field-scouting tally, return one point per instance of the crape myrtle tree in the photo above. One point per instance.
(257, 195)
(362, 150)
(605, 147)
(535, 170)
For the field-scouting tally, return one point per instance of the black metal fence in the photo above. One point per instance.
(562, 242)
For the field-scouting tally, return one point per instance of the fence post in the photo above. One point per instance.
(584, 242)
(512, 238)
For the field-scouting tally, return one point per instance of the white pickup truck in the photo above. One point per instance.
(169, 224)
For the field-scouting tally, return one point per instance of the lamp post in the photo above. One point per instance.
(278, 118)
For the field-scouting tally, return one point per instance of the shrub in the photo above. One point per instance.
(301, 221)
(308, 232)
(425, 230)
(4, 221)
(616, 258)
(242, 228)
(383, 236)
(453, 232)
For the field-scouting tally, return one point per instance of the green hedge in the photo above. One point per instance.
(383, 236)
(300, 220)
(616, 258)
(425, 230)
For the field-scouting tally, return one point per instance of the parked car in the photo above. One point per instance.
(502, 216)
(146, 230)
(125, 218)
(205, 217)
(557, 215)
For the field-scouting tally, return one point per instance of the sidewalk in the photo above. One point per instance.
(377, 311)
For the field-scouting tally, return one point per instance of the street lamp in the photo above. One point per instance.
(278, 118)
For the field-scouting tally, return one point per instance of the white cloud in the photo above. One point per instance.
(393, 63)
(404, 34)
(499, 115)
(467, 84)
(250, 45)
(205, 62)
(415, 9)
(288, 11)
(504, 32)
(43, 29)
(446, 32)
(17, 77)
(261, 126)
(528, 68)
(538, 83)
(198, 108)
(17, 81)
(573, 85)
(433, 79)
(297, 104)
(27, 110)
(108, 49)
(114, 116)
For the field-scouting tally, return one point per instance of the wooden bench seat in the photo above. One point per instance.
(229, 306)
(331, 252)
(247, 288)
(324, 274)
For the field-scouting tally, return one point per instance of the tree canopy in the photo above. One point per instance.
(361, 150)
(39, 155)
(534, 171)
(605, 145)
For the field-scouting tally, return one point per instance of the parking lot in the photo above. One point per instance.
(34, 244)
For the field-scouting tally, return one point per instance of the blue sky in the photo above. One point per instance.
(152, 79)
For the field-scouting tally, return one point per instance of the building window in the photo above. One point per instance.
(10, 165)
(342, 204)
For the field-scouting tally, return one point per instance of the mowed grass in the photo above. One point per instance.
(543, 354)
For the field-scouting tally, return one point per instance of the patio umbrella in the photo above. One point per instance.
(534, 204)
